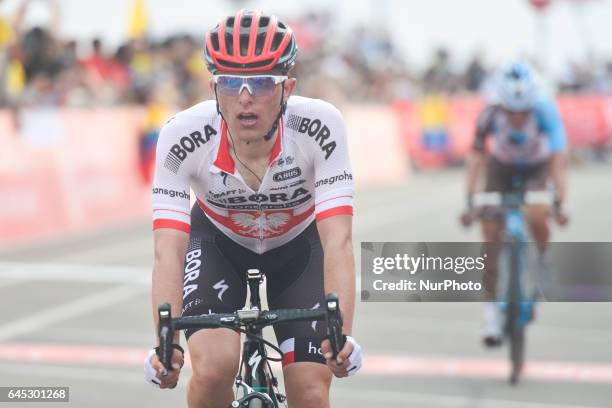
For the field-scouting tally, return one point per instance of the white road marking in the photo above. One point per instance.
(406, 398)
(75, 273)
(105, 375)
(79, 307)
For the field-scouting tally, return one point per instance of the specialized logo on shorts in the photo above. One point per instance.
(192, 271)
(313, 128)
(221, 286)
(287, 174)
(187, 144)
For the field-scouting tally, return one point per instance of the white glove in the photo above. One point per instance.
(354, 358)
(149, 371)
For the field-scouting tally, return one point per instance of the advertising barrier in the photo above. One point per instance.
(68, 170)
(440, 133)
(64, 171)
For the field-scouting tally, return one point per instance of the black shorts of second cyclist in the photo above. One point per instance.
(500, 177)
(215, 282)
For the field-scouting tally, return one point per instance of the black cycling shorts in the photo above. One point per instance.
(501, 177)
(215, 282)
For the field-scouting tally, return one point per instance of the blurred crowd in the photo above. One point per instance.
(38, 68)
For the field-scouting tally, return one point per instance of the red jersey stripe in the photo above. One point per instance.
(345, 209)
(173, 224)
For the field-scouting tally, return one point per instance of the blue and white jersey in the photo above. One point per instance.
(542, 134)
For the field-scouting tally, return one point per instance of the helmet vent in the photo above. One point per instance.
(278, 38)
(230, 22)
(229, 44)
(245, 21)
(214, 39)
(244, 45)
(261, 38)
(264, 21)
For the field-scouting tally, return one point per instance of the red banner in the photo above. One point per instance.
(83, 175)
(587, 120)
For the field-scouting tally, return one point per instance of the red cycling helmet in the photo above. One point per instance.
(250, 42)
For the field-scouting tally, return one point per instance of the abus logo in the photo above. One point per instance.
(313, 128)
(287, 174)
(187, 144)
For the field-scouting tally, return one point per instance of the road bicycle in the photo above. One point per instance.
(521, 280)
(256, 385)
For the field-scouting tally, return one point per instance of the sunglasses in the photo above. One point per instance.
(257, 85)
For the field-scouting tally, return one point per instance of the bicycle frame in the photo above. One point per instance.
(515, 241)
(258, 381)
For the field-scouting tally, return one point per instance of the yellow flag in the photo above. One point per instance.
(15, 77)
(138, 19)
(6, 32)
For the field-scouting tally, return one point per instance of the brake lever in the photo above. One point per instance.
(166, 335)
(334, 323)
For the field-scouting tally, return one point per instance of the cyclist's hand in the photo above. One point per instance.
(561, 218)
(348, 360)
(466, 218)
(156, 373)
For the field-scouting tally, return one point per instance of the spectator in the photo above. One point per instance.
(36, 63)
(475, 74)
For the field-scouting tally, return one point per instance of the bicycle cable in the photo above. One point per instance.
(260, 339)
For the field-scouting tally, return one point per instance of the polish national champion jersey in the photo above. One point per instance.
(542, 134)
(308, 177)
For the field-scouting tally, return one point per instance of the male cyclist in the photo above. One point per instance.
(274, 191)
(527, 141)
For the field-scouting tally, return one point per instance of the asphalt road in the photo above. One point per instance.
(76, 312)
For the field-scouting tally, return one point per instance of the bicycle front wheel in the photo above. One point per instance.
(515, 327)
(517, 349)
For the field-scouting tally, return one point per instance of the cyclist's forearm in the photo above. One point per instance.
(475, 163)
(167, 288)
(557, 173)
(167, 279)
(340, 278)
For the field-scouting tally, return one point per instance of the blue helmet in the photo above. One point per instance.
(517, 89)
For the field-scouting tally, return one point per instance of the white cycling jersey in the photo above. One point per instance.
(309, 176)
